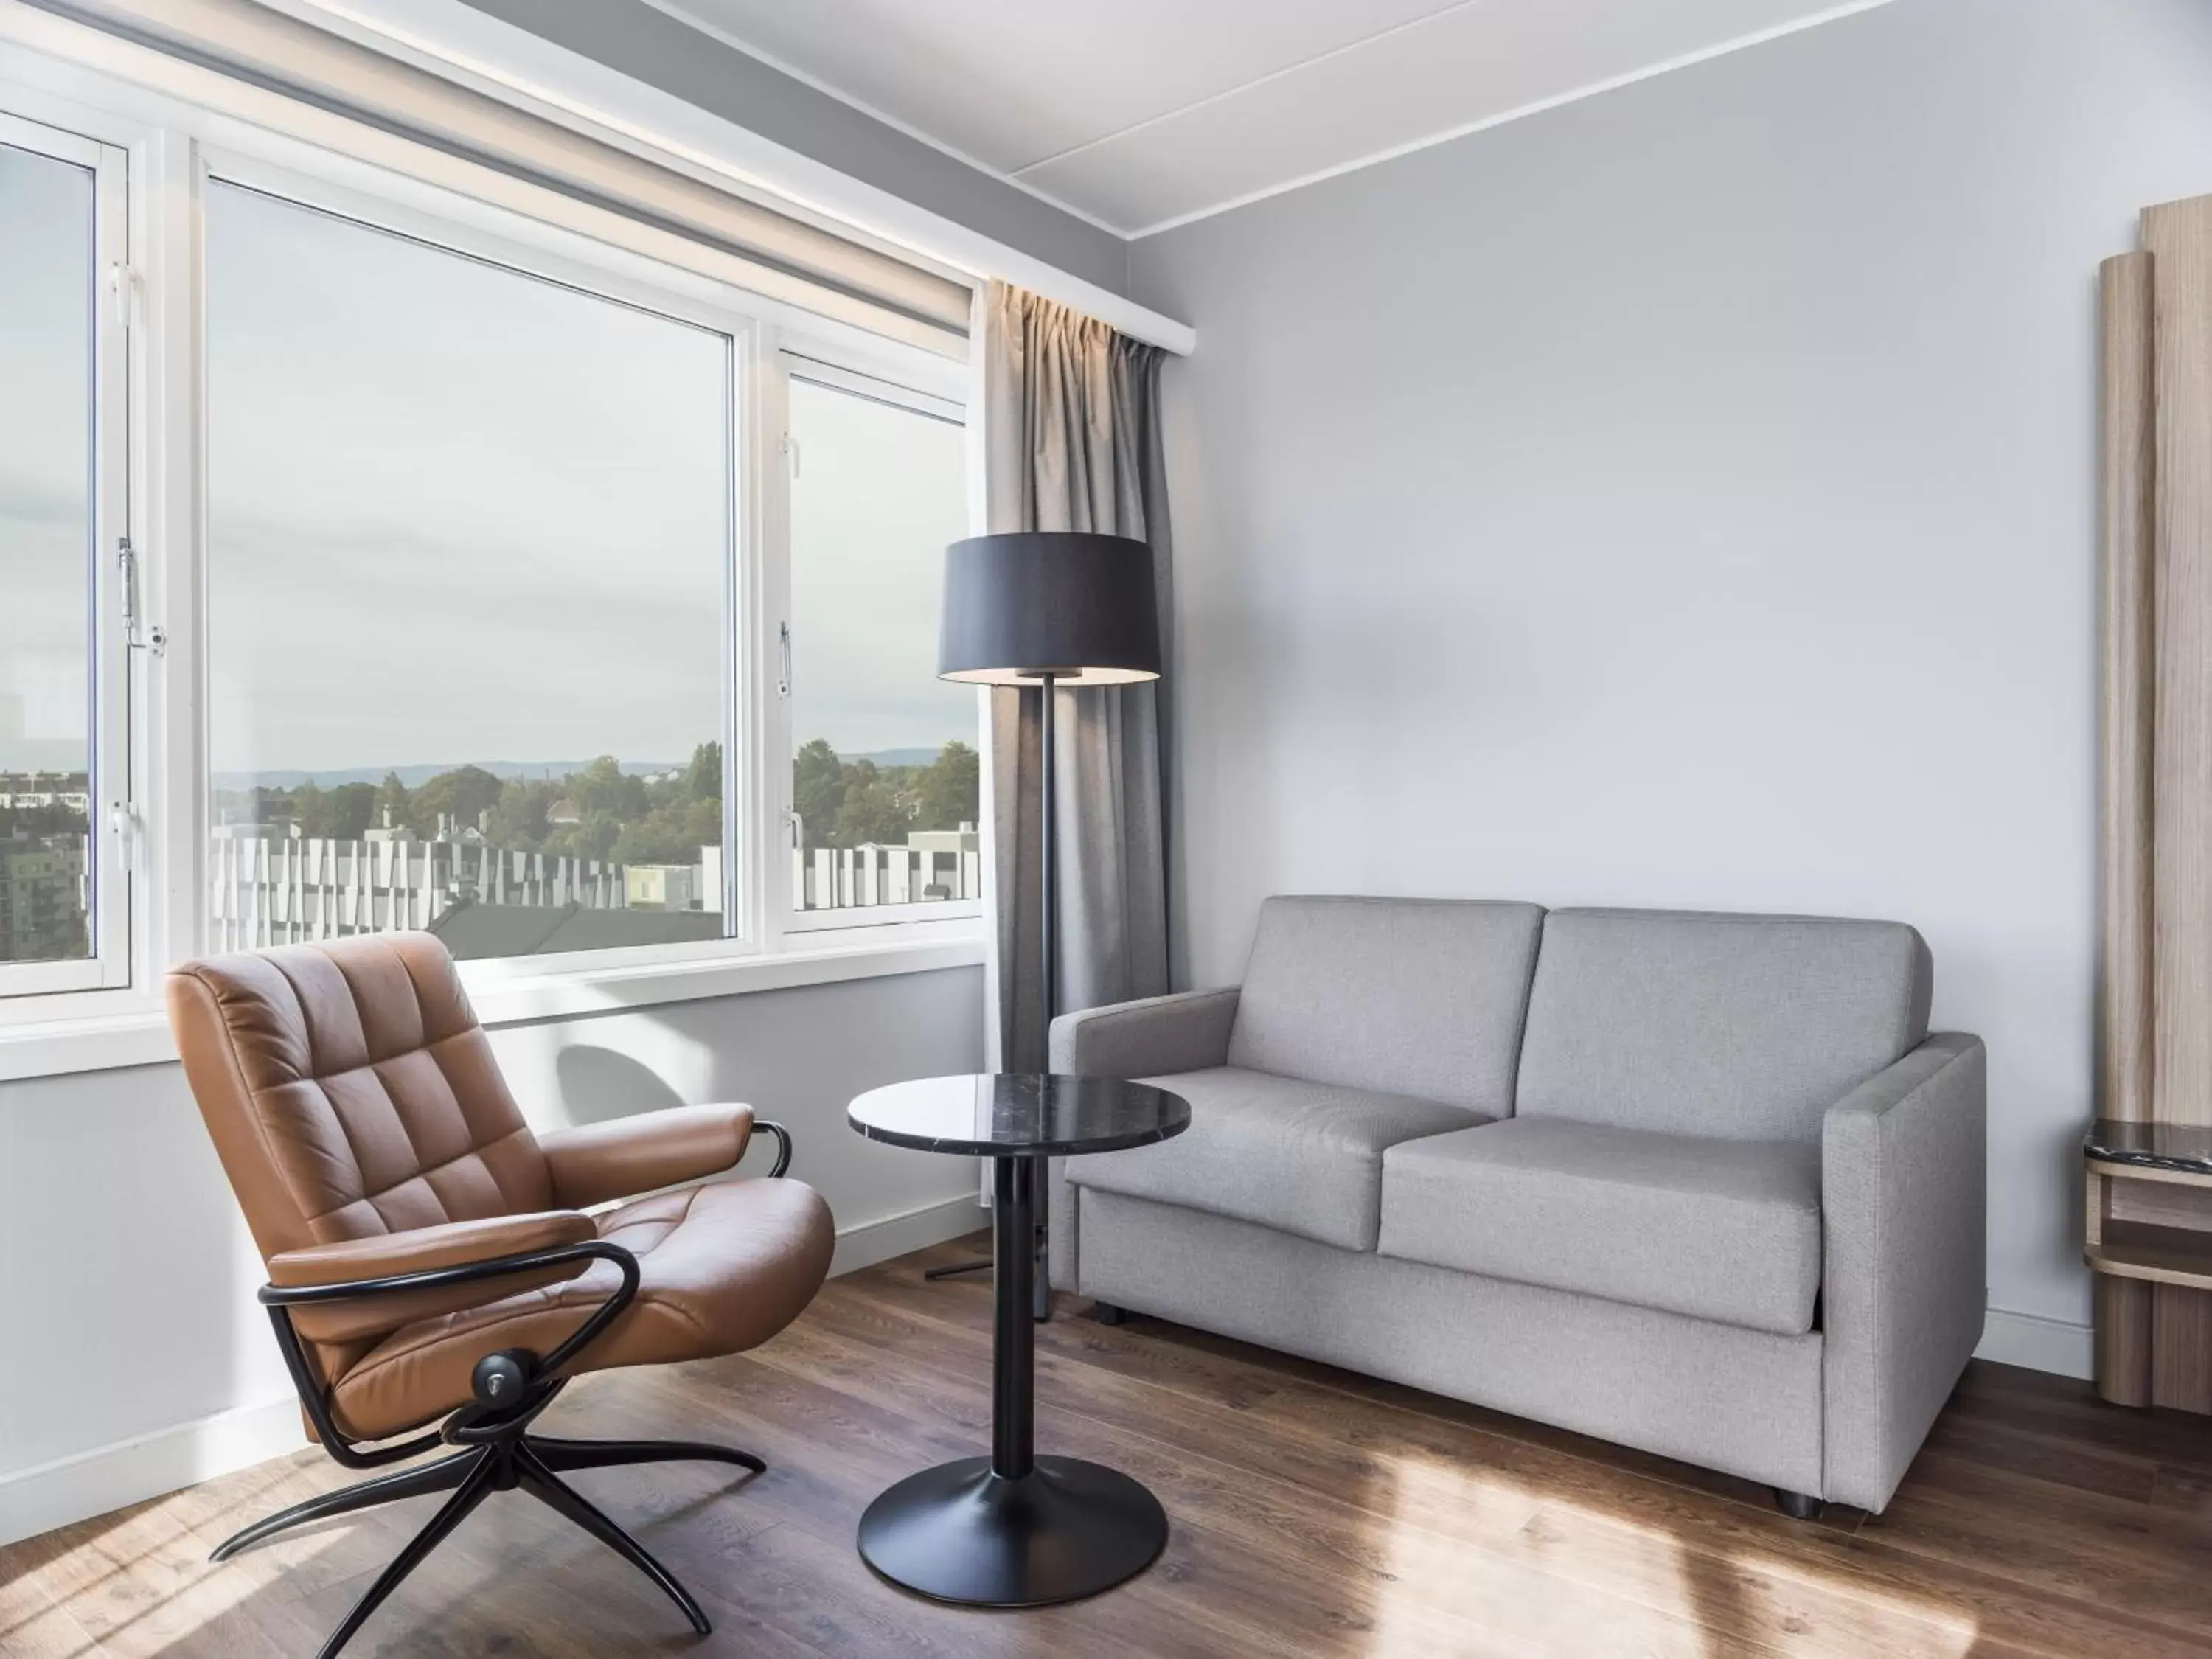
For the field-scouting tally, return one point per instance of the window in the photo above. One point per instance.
(885, 775)
(65, 906)
(497, 602)
(469, 547)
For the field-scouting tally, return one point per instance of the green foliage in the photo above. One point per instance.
(818, 791)
(846, 803)
(339, 814)
(462, 796)
(951, 787)
(611, 814)
(391, 804)
(41, 823)
(875, 806)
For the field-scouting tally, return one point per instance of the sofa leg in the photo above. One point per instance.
(1796, 1504)
(1107, 1314)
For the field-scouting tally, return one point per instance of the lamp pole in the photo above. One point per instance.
(1048, 871)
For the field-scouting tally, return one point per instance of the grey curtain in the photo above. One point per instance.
(1071, 440)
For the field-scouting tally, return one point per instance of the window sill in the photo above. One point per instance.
(140, 1036)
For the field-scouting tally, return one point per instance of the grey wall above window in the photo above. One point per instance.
(649, 45)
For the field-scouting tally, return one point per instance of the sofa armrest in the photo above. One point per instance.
(623, 1157)
(1187, 1031)
(1154, 1036)
(424, 1250)
(1903, 1193)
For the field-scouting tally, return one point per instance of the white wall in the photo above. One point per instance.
(1687, 497)
(133, 1357)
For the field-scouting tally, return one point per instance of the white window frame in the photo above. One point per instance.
(630, 283)
(175, 124)
(932, 388)
(103, 148)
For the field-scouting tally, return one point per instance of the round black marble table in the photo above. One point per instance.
(1015, 1529)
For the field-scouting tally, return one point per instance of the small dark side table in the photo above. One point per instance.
(1015, 1529)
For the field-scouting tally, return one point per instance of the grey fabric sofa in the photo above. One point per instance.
(1704, 1185)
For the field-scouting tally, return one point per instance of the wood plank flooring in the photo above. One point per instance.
(1315, 1513)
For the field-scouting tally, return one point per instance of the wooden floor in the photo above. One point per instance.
(1315, 1513)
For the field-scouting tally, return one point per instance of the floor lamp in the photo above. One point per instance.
(1047, 609)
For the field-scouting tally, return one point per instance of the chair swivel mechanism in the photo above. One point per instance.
(435, 1277)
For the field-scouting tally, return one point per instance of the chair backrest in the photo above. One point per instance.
(1740, 1027)
(350, 1091)
(1418, 997)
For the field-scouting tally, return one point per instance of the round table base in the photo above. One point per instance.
(959, 1533)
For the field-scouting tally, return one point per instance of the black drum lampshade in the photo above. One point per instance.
(1067, 607)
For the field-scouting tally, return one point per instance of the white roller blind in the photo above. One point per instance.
(271, 50)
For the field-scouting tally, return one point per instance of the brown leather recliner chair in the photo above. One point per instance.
(429, 1258)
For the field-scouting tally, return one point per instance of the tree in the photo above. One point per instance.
(604, 788)
(517, 822)
(391, 803)
(465, 794)
(950, 788)
(703, 779)
(874, 807)
(818, 791)
(339, 814)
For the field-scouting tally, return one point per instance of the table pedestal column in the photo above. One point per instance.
(1013, 1529)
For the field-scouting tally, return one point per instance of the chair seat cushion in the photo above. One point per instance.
(1722, 1230)
(721, 1268)
(1302, 1158)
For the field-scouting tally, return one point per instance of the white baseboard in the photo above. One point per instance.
(130, 1471)
(89, 1483)
(912, 1229)
(2057, 1346)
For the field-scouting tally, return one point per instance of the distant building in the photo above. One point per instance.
(43, 901)
(934, 865)
(29, 791)
(662, 886)
(963, 840)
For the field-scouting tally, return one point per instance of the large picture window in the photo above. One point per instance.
(64, 896)
(470, 550)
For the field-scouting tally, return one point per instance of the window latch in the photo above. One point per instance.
(783, 646)
(138, 636)
(122, 285)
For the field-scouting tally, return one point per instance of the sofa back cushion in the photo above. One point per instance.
(1421, 997)
(1747, 1027)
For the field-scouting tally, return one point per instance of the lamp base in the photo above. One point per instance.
(1065, 1530)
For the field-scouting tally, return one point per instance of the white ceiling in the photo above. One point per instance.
(1141, 114)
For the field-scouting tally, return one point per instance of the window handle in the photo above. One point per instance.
(154, 639)
(783, 641)
(122, 287)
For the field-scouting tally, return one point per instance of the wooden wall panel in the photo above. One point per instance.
(2124, 1000)
(2179, 239)
(2123, 1349)
(2154, 1058)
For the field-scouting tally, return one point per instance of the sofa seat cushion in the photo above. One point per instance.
(1722, 1230)
(1300, 1158)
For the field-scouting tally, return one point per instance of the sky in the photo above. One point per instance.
(455, 512)
(45, 477)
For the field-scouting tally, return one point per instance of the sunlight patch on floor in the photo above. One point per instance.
(1480, 1562)
(141, 1585)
